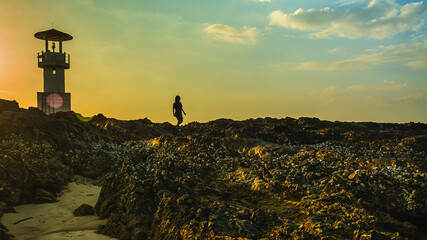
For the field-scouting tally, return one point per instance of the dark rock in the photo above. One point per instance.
(3, 233)
(34, 167)
(6, 105)
(418, 142)
(260, 178)
(15, 197)
(201, 183)
(44, 196)
(84, 210)
(6, 208)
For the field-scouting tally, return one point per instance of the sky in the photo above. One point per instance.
(346, 60)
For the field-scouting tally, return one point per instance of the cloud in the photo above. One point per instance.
(378, 92)
(379, 19)
(360, 62)
(334, 50)
(418, 64)
(410, 98)
(412, 55)
(227, 33)
(355, 88)
(329, 93)
(391, 86)
(262, 1)
(386, 86)
(288, 36)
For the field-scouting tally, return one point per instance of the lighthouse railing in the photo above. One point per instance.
(40, 57)
(53, 58)
(67, 58)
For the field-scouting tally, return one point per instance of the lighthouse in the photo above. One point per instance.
(54, 61)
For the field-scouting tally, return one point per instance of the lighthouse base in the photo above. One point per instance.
(52, 102)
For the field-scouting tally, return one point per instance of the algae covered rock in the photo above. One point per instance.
(211, 185)
(259, 178)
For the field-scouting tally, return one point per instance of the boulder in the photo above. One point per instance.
(84, 210)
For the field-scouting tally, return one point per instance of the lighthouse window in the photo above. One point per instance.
(54, 71)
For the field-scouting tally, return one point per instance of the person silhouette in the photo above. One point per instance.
(178, 110)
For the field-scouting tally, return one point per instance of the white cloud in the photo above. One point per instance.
(227, 33)
(418, 64)
(411, 55)
(410, 98)
(334, 50)
(391, 87)
(379, 19)
(329, 93)
(386, 86)
(349, 2)
(355, 88)
(288, 36)
(361, 62)
(370, 92)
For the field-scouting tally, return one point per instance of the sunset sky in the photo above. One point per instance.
(349, 60)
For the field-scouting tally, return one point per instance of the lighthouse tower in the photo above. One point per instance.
(54, 62)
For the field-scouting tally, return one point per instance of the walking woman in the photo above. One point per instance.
(178, 110)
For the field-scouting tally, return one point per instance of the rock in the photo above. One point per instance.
(44, 196)
(226, 184)
(6, 208)
(7, 116)
(418, 142)
(15, 197)
(3, 233)
(84, 210)
(6, 105)
(259, 178)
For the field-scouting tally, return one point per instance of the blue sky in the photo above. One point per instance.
(337, 60)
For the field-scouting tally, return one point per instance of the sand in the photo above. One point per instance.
(56, 220)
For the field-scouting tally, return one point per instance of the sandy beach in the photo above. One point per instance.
(56, 220)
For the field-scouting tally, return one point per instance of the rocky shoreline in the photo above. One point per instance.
(71, 216)
(254, 179)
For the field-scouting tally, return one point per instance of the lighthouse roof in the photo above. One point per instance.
(53, 35)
